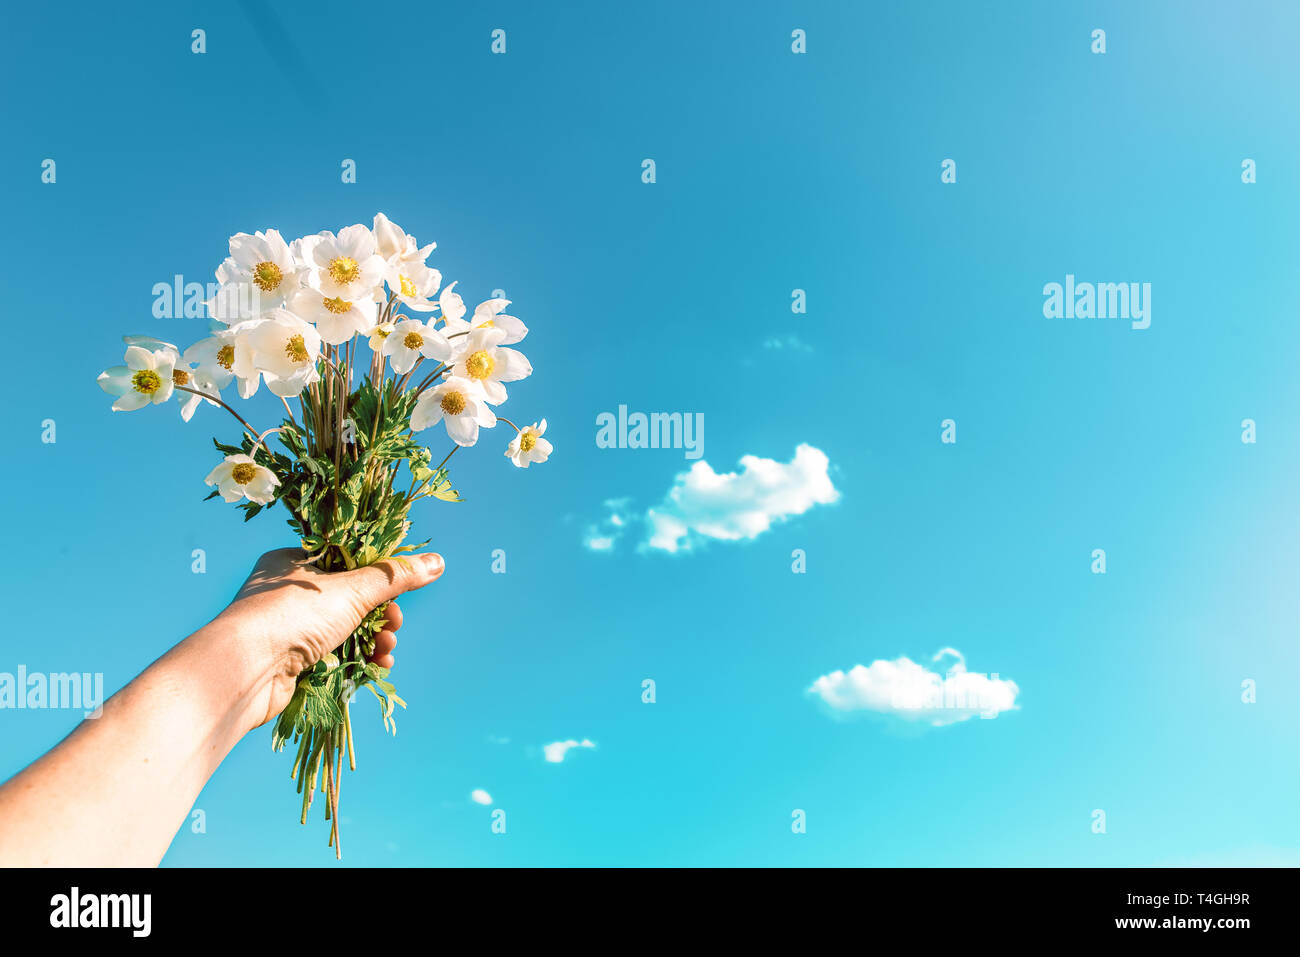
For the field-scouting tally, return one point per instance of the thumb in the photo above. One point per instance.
(382, 581)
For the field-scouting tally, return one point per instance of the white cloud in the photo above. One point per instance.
(914, 693)
(556, 750)
(603, 536)
(730, 506)
(479, 796)
(791, 342)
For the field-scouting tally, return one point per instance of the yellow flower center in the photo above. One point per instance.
(243, 473)
(408, 287)
(480, 364)
(226, 357)
(413, 340)
(453, 403)
(527, 440)
(267, 276)
(344, 269)
(381, 332)
(338, 305)
(180, 377)
(146, 381)
(296, 349)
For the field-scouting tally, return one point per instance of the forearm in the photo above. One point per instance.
(116, 790)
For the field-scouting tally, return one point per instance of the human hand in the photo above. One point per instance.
(157, 741)
(287, 616)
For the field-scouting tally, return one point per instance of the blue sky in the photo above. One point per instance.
(774, 172)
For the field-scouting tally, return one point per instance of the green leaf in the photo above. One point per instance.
(322, 711)
(445, 492)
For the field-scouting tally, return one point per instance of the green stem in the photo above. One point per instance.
(217, 399)
(347, 730)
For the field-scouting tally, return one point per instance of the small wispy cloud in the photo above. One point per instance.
(604, 535)
(556, 750)
(912, 692)
(790, 343)
(479, 796)
(704, 505)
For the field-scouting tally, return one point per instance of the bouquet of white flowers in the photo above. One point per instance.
(290, 315)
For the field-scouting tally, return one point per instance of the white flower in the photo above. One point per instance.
(395, 245)
(482, 360)
(528, 446)
(487, 315)
(187, 376)
(240, 477)
(283, 348)
(214, 357)
(146, 377)
(378, 334)
(259, 275)
(410, 340)
(337, 320)
(240, 357)
(184, 374)
(458, 403)
(347, 266)
(413, 283)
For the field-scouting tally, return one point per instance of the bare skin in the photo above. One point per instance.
(115, 791)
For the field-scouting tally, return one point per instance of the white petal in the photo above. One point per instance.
(358, 241)
(427, 411)
(436, 345)
(513, 328)
(402, 358)
(453, 307)
(130, 402)
(115, 381)
(511, 365)
(150, 343)
(260, 490)
(231, 490)
(462, 429)
(188, 405)
(486, 310)
(138, 358)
